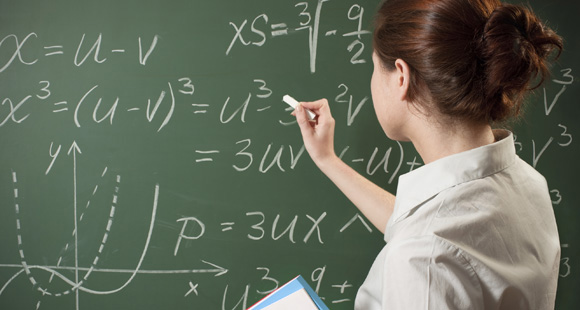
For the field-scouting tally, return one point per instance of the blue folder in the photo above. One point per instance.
(294, 285)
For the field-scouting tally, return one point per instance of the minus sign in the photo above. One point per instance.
(357, 160)
(277, 33)
(565, 245)
(117, 51)
(330, 33)
(133, 109)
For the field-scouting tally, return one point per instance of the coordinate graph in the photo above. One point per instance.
(78, 284)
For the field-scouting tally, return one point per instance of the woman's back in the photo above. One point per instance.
(475, 230)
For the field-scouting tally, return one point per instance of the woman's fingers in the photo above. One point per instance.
(315, 105)
(303, 121)
(318, 136)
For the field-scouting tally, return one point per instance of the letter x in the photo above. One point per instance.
(238, 35)
(17, 50)
(13, 110)
(193, 288)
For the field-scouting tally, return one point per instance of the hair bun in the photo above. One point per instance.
(515, 48)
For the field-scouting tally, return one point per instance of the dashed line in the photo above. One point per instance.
(80, 220)
(19, 234)
(103, 242)
(94, 192)
(24, 264)
(109, 225)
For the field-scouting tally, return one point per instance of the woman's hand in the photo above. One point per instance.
(318, 134)
(374, 202)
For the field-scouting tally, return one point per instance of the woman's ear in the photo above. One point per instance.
(403, 73)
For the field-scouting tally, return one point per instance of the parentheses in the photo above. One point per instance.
(170, 113)
(76, 114)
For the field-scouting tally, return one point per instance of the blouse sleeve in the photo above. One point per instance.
(429, 273)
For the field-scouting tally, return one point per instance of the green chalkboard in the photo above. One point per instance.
(148, 162)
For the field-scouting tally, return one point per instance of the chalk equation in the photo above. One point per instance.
(90, 107)
(16, 45)
(309, 21)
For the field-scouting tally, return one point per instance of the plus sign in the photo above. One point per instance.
(413, 164)
(343, 286)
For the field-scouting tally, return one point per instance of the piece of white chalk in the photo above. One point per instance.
(293, 103)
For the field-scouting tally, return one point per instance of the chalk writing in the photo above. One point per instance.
(309, 19)
(81, 55)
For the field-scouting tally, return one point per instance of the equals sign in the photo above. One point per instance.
(59, 107)
(54, 47)
(200, 106)
(227, 226)
(279, 29)
(205, 158)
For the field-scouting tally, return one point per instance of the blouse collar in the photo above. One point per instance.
(421, 184)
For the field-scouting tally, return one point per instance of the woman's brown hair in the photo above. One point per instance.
(472, 59)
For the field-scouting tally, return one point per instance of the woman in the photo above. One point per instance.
(474, 227)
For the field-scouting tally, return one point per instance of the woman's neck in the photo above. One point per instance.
(435, 140)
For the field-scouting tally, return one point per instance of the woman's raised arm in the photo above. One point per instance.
(374, 202)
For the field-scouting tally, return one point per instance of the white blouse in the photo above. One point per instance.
(475, 230)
